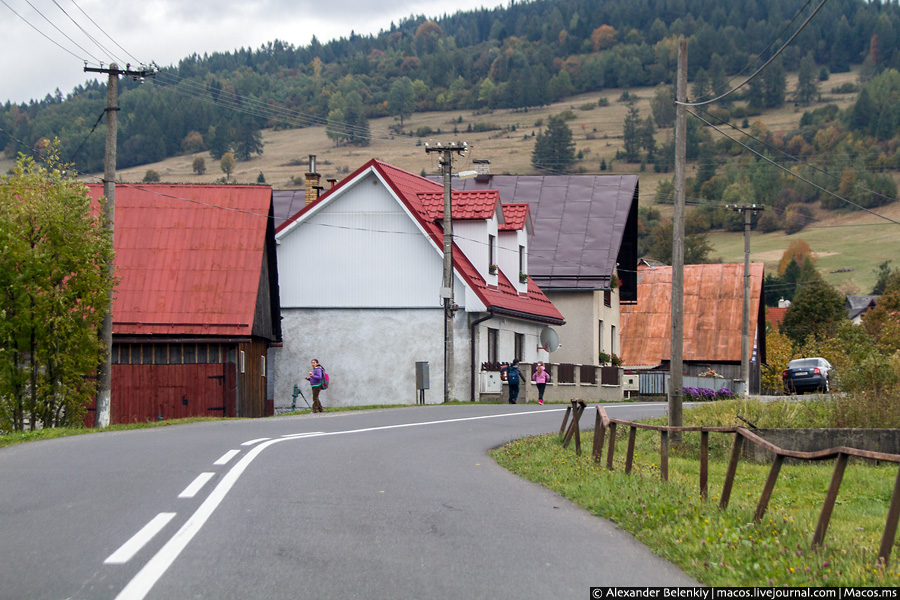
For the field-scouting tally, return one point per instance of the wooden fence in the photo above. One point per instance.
(604, 424)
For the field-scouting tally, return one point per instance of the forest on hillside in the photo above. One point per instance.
(522, 55)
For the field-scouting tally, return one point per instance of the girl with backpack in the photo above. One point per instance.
(316, 379)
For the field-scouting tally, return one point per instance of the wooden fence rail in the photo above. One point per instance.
(605, 426)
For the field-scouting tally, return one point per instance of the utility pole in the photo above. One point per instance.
(446, 162)
(748, 211)
(104, 372)
(676, 344)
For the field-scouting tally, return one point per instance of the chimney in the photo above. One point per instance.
(312, 186)
(784, 303)
(331, 183)
(483, 168)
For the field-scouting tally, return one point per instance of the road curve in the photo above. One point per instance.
(399, 503)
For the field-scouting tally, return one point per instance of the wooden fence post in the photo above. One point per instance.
(629, 458)
(830, 498)
(704, 464)
(599, 434)
(890, 527)
(664, 455)
(732, 470)
(768, 488)
(612, 446)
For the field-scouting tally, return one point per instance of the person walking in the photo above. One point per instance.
(513, 376)
(540, 377)
(315, 378)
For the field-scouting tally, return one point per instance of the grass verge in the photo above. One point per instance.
(725, 548)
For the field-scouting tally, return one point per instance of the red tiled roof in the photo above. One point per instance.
(477, 205)
(410, 189)
(713, 313)
(188, 257)
(515, 215)
(774, 315)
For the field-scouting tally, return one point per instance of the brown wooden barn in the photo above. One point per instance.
(196, 305)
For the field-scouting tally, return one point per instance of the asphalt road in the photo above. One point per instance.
(398, 503)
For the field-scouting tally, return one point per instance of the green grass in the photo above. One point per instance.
(725, 548)
(861, 248)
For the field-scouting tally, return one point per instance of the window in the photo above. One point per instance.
(263, 365)
(242, 361)
(493, 335)
(600, 336)
(607, 298)
(520, 347)
(491, 260)
(522, 259)
(612, 339)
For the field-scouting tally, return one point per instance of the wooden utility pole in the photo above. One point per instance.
(748, 211)
(446, 162)
(104, 372)
(676, 345)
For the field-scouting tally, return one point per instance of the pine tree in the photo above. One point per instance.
(554, 151)
(632, 134)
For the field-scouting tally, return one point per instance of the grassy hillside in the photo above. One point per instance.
(858, 241)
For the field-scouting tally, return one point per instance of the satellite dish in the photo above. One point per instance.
(549, 340)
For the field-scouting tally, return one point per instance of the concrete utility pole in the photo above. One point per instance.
(446, 162)
(104, 372)
(748, 211)
(676, 344)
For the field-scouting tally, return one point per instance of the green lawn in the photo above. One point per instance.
(725, 548)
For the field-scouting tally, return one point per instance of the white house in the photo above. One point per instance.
(361, 272)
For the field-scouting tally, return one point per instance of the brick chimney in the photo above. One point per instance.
(312, 186)
(483, 168)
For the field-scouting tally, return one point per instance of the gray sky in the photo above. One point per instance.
(31, 66)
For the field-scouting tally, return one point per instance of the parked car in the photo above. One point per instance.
(807, 375)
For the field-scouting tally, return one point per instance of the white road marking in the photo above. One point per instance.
(299, 435)
(139, 540)
(191, 490)
(143, 582)
(227, 457)
(251, 442)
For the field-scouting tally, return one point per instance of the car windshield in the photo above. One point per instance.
(802, 363)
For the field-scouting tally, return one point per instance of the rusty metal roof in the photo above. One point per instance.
(583, 226)
(189, 257)
(713, 313)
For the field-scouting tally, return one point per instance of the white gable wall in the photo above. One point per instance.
(362, 249)
(472, 238)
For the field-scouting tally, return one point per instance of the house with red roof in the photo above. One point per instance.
(361, 276)
(195, 309)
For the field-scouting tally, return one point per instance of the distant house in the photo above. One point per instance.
(196, 305)
(361, 275)
(857, 306)
(583, 252)
(713, 317)
(775, 315)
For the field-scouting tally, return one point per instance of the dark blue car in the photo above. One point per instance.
(806, 375)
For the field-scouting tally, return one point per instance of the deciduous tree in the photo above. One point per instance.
(54, 288)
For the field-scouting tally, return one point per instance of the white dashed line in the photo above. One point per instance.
(191, 490)
(139, 540)
(227, 457)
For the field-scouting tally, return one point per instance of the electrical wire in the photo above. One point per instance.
(106, 34)
(60, 30)
(27, 22)
(763, 67)
(791, 173)
(89, 36)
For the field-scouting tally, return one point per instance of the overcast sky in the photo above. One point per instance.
(31, 65)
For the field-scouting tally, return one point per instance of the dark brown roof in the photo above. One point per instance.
(583, 226)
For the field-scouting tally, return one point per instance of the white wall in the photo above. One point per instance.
(369, 354)
(580, 336)
(508, 252)
(361, 250)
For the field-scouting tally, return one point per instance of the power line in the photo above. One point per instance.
(106, 34)
(59, 30)
(791, 173)
(89, 36)
(763, 67)
(27, 22)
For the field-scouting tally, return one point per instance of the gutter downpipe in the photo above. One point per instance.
(474, 327)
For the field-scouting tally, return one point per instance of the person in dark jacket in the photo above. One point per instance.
(315, 378)
(513, 377)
